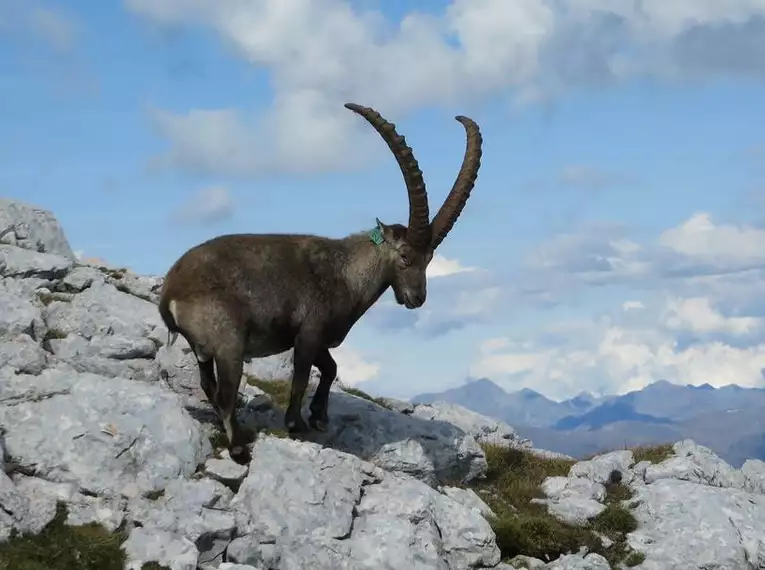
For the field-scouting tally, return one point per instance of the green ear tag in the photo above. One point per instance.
(375, 235)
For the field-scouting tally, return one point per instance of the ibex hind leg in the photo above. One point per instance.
(207, 379)
(230, 366)
(319, 419)
(192, 322)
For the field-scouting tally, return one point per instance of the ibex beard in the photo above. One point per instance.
(243, 296)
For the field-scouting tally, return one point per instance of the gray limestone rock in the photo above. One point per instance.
(109, 436)
(433, 451)
(331, 507)
(23, 355)
(34, 229)
(167, 548)
(22, 264)
(698, 464)
(690, 525)
(20, 310)
(482, 428)
(104, 311)
(195, 509)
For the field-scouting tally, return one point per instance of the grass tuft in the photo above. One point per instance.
(218, 439)
(63, 547)
(279, 390)
(634, 558)
(54, 333)
(523, 527)
(616, 492)
(362, 394)
(614, 520)
(653, 453)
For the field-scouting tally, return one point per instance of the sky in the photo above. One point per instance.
(615, 235)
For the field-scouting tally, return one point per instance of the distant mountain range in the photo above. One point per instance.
(730, 420)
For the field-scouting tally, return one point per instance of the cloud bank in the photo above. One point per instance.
(322, 53)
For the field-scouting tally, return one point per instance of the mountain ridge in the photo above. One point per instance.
(725, 418)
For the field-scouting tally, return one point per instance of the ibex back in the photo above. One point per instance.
(253, 295)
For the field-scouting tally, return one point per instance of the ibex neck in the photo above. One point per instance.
(368, 270)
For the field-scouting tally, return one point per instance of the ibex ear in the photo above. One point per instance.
(394, 235)
(386, 232)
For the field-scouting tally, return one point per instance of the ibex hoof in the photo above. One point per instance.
(297, 426)
(240, 454)
(319, 424)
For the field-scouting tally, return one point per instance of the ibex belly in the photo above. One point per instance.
(260, 346)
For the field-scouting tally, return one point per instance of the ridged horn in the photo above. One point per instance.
(452, 207)
(418, 232)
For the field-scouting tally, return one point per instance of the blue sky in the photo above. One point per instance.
(616, 234)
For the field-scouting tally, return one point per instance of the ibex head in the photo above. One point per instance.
(411, 247)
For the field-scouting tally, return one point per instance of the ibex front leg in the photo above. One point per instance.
(328, 368)
(304, 355)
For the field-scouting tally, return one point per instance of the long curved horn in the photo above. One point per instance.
(452, 207)
(418, 233)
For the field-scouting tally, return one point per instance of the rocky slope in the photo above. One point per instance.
(96, 413)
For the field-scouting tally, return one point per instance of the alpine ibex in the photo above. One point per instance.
(254, 295)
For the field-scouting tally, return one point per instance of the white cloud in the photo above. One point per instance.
(53, 27)
(32, 19)
(441, 266)
(698, 315)
(458, 296)
(608, 356)
(322, 53)
(209, 204)
(597, 254)
(352, 368)
(699, 254)
(493, 345)
(724, 244)
(458, 309)
(690, 311)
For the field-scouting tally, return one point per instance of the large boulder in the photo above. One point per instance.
(433, 451)
(108, 436)
(33, 228)
(302, 505)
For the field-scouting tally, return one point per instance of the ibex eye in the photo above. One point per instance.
(405, 259)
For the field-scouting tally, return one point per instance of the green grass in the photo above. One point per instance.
(653, 453)
(634, 559)
(361, 394)
(279, 390)
(616, 492)
(218, 439)
(514, 478)
(154, 495)
(63, 547)
(54, 334)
